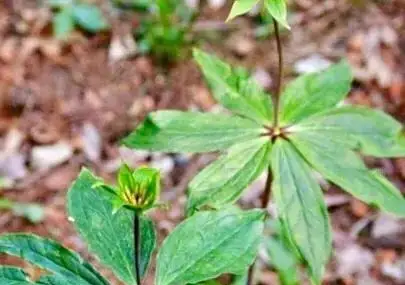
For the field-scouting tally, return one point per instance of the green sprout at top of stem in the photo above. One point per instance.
(137, 189)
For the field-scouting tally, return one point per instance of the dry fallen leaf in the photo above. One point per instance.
(45, 157)
(353, 259)
(122, 47)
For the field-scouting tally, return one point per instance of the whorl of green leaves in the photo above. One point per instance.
(317, 135)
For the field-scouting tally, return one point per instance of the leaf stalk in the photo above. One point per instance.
(279, 87)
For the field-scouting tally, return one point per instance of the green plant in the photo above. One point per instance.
(71, 13)
(165, 32)
(112, 221)
(292, 135)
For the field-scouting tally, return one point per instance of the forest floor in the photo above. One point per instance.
(66, 105)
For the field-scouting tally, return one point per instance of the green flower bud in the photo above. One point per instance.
(137, 189)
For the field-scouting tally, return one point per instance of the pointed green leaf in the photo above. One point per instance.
(223, 181)
(313, 93)
(283, 260)
(63, 23)
(301, 207)
(370, 131)
(89, 17)
(175, 131)
(235, 89)
(344, 168)
(278, 9)
(125, 178)
(53, 257)
(149, 179)
(108, 235)
(241, 7)
(210, 244)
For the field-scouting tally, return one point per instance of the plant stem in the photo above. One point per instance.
(276, 110)
(137, 248)
(267, 189)
(277, 95)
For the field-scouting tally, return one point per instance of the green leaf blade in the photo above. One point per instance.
(175, 131)
(313, 93)
(108, 235)
(63, 23)
(235, 89)
(223, 181)
(344, 168)
(283, 261)
(372, 132)
(278, 10)
(51, 256)
(209, 244)
(241, 7)
(89, 17)
(301, 208)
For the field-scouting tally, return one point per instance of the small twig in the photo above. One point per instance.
(137, 248)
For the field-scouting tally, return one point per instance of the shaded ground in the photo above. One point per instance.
(72, 97)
